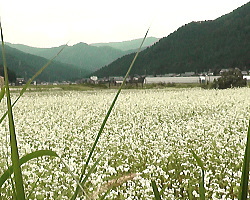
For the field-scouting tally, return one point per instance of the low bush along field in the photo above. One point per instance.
(150, 132)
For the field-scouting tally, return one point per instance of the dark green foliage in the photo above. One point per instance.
(230, 79)
(11, 74)
(197, 47)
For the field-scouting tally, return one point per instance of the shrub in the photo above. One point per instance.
(230, 79)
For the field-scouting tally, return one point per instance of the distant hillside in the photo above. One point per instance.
(197, 46)
(86, 57)
(26, 65)
(128, 45)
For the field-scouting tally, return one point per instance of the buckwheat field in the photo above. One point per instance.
(149, 136)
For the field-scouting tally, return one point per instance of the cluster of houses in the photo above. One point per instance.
(187, 77)
(114, 80)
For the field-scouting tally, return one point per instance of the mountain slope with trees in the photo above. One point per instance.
(197, 46)
(26, 65)
(86, 57)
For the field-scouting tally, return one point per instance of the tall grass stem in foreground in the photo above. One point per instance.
(18, 179)
(2, 92)
(155, 190)
(202, 181)
(245, 169)
(106, 118)
(17, 185)
(30, 80)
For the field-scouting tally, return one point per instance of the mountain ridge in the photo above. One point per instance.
(85, 56)
(197, 46)
(26, 65)
(129, 44)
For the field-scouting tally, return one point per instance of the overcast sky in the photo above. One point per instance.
(48, 23)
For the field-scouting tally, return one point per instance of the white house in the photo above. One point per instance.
(247, 77)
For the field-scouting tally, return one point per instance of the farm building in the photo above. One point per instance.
(20, 81)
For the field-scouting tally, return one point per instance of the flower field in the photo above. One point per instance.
(150, 133)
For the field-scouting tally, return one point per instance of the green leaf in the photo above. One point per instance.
(201, 184)
(155, 190)
(202, 181)
(73, 176)
(18, 179)
(245, 169)
(92, 169)
(33, 188)
(2, 93)
(88, 175)
(25, 159)
(198, 160)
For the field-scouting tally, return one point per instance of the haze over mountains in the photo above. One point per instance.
(197, 46)
(26, 65)
(128, 45)
(83, 57)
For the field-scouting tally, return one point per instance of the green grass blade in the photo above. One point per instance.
(92, 169)
(25, 159)
(18, 179)
(202, 181)
(40, 71)
(33, 188)
(155, 190)
(2, 93)
(245, 169)
(13, 189)
(201, 184)
(107, 116)
(198, 160)
(33, 155)
(73, 176)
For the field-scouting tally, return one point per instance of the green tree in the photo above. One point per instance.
(230, 79)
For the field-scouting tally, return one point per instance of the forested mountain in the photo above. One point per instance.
(128, 45)
(197, 46)
(86, 57)
(26, 65)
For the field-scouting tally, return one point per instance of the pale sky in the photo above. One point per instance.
(49, 23)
